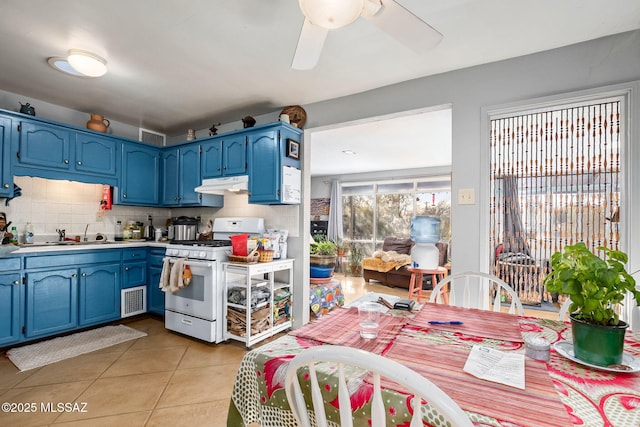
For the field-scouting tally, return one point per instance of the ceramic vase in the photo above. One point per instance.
(98, 123)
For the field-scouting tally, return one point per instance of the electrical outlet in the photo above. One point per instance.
(99, 216)
(466, 196)
(149, 217)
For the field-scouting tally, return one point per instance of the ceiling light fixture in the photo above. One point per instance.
(87, 63)
(80, 63)
(348, 152)
(331, 14)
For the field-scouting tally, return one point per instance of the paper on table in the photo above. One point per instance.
(497, 366)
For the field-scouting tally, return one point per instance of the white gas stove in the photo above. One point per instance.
(197, 309)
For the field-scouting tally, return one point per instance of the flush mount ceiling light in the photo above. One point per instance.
(80, 63)
(348, 152)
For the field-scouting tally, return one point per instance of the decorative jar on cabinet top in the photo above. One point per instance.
(98, 123)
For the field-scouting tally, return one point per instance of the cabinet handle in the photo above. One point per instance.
(84, 274)
(79, 163)
(6, 186)
(74, 275)
(16, 282)
(66, 161)
(126, 269)
(124, 196)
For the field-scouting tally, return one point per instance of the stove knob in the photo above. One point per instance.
(202, 255)
(183, 253)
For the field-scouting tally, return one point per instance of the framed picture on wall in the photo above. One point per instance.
(293, 149)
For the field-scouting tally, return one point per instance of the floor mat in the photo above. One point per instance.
(51, 351)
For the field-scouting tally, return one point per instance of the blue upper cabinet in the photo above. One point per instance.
(6, 174)
(170, 174)
(189, 174)
(274, 165)
(234, 155)
(57, 152)
(212, 158)
(96, 154)
(44, 146)
(181, 175)
(139, 183)
(224, 156)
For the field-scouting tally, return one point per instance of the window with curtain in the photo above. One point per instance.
(555, 180)
(374, 211)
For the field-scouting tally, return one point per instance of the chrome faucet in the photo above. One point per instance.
(61, 235)
(85, 233)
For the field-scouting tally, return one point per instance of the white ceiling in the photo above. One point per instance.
(175, 65)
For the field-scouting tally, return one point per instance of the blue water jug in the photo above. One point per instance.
(425, 229)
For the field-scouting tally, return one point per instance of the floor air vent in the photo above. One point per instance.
(133, 301)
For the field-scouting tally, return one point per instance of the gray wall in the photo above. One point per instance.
(598, 63)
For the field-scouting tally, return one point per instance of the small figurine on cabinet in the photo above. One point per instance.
(27, 109)
(213, 130)
(248, 122)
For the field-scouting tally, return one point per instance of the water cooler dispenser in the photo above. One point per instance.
(425, 232)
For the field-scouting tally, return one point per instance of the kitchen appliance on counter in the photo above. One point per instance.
(183, 228)
(197, 310)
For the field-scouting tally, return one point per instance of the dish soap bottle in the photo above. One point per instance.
(14, 235)
(119, 235)
(28, 233)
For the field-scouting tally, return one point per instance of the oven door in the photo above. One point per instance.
(199, 298)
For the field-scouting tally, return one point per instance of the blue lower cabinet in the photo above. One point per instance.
(155, 303)
(10, 303)
(51, 302)
(99, 294)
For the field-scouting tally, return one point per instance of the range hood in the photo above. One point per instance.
(235, 184)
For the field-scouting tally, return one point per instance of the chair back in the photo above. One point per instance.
(477, 290)
(303, 367)
(564, 308)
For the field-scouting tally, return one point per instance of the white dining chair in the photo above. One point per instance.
(421, 388)
(564, 308)
(476, 290)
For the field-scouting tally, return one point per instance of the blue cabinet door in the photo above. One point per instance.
(212, 158)
(170, 178)
(10, 312)
(234, 155)
(264, 166)
(99, 294)
(134, 274)
(155, 296)
(190, 177)
(51, 302)
(6, 174)
(139, 182)
(96, 154)
(44, 146)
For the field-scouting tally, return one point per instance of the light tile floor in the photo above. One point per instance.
(163, 379)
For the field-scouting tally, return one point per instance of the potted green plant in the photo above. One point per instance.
(322, 258)
(342, 247)
(356, 255)
(596, 286)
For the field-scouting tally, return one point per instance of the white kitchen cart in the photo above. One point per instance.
(274, 279)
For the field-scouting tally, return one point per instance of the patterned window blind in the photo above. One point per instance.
(555, 180)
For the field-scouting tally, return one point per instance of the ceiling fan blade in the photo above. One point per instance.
(309, 47)
(405, 27)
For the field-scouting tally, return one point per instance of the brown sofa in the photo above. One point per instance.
(400, 277)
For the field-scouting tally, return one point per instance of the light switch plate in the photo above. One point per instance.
(466, 196)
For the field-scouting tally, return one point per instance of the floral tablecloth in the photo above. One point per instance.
(558, 393)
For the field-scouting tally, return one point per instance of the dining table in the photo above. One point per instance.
(560, 391)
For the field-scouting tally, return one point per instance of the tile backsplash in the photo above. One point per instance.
(52, 204)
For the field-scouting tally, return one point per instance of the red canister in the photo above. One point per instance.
(239, 244)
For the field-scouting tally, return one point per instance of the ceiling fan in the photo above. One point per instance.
(324, 15)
